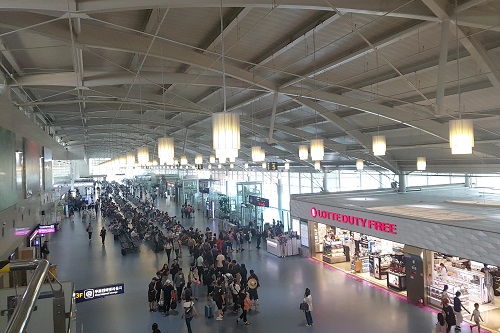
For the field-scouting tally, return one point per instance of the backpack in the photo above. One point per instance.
(218, 293)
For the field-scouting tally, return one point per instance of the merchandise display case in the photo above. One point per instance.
(396, 281)
(436, 290)
(334, 252)
(471, 282)
(365, 265)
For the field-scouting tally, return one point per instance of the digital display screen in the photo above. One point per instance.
(258, 201)
(199, 166)
(272, 166)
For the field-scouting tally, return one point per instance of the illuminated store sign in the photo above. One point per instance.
(47, 229)
(354, 220)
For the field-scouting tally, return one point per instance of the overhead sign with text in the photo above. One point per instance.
(98, 292)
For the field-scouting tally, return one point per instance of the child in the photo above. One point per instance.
(476, 315)
(441, 323)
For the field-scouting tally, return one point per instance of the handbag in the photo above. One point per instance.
(304, 306)
(161, 302)
(173, 304)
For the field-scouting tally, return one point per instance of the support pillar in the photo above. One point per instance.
(467, 180)
(325, 180)
(280, 197)
(402, 183)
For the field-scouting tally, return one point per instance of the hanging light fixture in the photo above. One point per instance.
(220, 166)
(287, 165)
(317, 150)
(231, 165)
(130, 159)
(461, 136)
(421, 163)
(198, 159)
(226, 135)
(264, 165)
(209, 166)
(360, 164)
(232, 159)
(225, 126)
(258, 154)
(212, 159)
(143, 155)
(184, 160)
(378, 145)
(246, 165)
(166, 150)
(303, 152)
(317, 165)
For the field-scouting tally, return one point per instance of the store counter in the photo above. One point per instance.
(396, 281)
(273, 247)
(289, 248)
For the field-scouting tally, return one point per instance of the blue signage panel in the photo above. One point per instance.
(98, 292)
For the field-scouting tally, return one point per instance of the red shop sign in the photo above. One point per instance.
(354, 220)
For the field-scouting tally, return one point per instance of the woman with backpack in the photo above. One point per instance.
(189, 312)
(245, 305)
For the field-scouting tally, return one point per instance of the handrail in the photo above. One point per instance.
(23, 310)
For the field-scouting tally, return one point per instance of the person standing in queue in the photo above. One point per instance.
(308, 300)
(90, 230)
(103, 234)
(253, 284)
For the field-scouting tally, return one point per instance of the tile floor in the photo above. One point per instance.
(341, 304)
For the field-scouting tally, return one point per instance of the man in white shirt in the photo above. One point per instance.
(220, 258)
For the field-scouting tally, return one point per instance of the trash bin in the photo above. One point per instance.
(52, 272)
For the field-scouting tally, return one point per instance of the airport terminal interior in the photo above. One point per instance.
(347, 147)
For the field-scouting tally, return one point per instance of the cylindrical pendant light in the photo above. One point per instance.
(212, 159)
(143, 155)
(220, 166)
(130, 159)
(226, 135)
(166, 151)
(317, 165)
(232, 159)
(303, 152)
(287, 165)
(421, 163)
(184, 160)
(246, 165)
(198, 159)
(264, 165)
(378, 145)
(258, 154)
(317, 150)
(461, 136)
(360, 164)
(209, 166)
(231, 165)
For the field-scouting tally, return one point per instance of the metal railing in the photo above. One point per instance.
(23, 310)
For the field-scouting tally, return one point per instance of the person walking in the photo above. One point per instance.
(168, 249)
(90, 230)
(179, 282)
(189, 312)
(476, 316)
(449, 315)
(457, 309)
(103, 234)
(308, 300)
(177, 247)
(245, 306)
(45, 250)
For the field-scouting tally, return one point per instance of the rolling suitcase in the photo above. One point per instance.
(209, 312)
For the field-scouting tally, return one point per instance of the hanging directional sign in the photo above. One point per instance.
(98, 292)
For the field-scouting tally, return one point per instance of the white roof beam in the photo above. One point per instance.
(476, 50)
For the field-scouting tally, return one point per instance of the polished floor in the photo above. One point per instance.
(341, 304)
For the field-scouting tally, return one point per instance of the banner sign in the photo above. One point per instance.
(98, 292)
